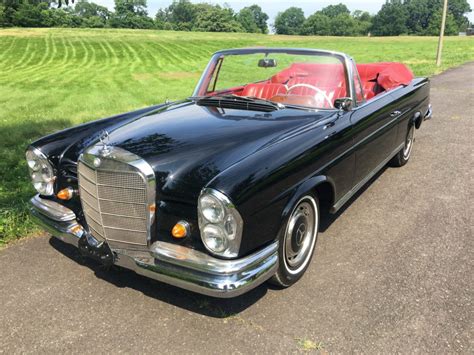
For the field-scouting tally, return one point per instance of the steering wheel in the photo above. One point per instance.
(318, 91)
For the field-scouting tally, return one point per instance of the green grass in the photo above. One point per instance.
(55, 78)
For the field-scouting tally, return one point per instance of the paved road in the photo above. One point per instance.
(392, 273)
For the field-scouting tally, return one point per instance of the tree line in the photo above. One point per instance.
(396, 17)
(181, 15)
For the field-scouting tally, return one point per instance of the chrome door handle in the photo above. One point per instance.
(395, 113)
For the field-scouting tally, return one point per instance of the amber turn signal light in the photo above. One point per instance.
(65, 194)
(180, 230)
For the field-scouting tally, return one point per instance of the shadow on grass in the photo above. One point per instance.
(15, 185)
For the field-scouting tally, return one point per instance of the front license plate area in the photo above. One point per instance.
(101, 253)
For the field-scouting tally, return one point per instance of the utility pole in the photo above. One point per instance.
(441, 34)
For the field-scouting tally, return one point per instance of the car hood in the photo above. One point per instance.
(187, 145)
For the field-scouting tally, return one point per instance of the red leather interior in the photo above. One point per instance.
(330, 78)
(263, 90)
(323, 71)
(370, 89)
(377, 77)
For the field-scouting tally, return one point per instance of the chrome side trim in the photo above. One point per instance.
(53, 210)
(361, 183)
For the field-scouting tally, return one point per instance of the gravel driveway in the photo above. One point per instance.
(393, 272)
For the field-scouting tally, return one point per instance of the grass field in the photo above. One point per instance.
(55, 78)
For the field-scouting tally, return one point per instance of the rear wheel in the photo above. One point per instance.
(403, 155)
(297, 242)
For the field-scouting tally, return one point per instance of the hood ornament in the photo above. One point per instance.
(104, 139)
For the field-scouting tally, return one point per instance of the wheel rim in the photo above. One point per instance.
(408, 143)
(300, 235)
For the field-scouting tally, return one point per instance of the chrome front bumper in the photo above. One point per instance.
(173, 264)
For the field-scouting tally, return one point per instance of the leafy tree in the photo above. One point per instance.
(420, 13)
(247, 21)
(127, 7)
(335, 10)
(363, 22)
(29, 15)
(94, 22)
(391, 19)
(343, 25)
(253, 19)
(216, 19)
(161, 20)
(131, 14)
(60, 2)
(362, 16)
(290, 21)
(181, 14)
(87, 10)
(317, 24)
(459, 8)
(9, 7)
(3, 23)
(434, 25)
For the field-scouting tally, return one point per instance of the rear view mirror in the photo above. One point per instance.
(343, 103)
(267, 63)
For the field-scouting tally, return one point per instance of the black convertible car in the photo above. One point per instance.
(222, 191)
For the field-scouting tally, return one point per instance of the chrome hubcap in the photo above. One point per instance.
(300, 235)
(409, 143)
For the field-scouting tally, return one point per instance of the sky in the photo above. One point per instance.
(272, 7)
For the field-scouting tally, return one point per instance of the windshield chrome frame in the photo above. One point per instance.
(206, 76)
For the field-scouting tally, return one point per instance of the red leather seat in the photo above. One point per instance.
(263, 90)
(377, 77)
(369, 88)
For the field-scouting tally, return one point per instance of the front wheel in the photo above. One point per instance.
(297, 242)
(403, 155)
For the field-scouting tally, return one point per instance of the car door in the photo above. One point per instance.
(374, 125)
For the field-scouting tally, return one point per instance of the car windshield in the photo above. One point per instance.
(302, 78)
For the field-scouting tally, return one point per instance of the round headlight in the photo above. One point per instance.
(41, 171)
(214, 238)
(212, 209)
(220, 223)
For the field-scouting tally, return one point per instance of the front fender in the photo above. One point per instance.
(309, 185)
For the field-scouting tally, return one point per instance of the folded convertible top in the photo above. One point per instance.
(388, 75)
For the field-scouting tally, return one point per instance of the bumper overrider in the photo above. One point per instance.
(173, 264)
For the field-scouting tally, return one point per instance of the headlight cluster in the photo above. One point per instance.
(220, 223)
(41, 171)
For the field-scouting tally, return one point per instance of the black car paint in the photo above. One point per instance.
(262, 160)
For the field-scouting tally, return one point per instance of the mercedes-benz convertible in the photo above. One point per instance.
(224, 190)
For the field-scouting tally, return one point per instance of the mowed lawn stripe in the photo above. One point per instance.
(56, 78)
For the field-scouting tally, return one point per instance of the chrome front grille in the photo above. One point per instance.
(116, 197)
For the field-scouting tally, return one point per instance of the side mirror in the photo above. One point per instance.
(267, 63)
(343, 103)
